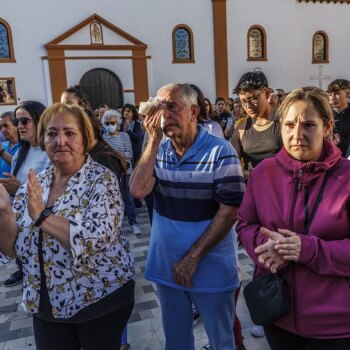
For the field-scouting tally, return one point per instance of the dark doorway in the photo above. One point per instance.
(102, 87)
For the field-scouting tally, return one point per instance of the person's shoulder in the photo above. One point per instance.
(223, 146)
(241, 123)
(93, 169)
(266, 165)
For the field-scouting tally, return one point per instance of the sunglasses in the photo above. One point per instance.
(109, 123)
(22, 120)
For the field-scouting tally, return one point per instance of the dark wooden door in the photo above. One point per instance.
(102, 87)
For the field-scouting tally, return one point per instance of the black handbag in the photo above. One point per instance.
(266, 299)
(266, 296)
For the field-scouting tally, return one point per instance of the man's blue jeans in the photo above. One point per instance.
(216, 309)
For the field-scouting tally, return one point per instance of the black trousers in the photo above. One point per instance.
(102, 333)
(279, 339)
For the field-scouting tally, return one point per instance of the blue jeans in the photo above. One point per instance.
(216, 309)
(128, 200)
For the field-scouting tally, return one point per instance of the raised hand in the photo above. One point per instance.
(152, 122)
(35, 201)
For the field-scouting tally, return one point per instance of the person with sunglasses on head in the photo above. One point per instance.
(9, 147)
(257, 137)
(120, 142)
(29, 156)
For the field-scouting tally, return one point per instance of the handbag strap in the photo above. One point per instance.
(309, 219)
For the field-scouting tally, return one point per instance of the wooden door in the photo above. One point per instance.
(102, 87)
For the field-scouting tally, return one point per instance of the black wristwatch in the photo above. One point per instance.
(43, 215)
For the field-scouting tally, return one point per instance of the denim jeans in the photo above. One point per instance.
(128, 200)
(216, 309)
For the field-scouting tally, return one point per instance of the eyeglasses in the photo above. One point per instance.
(109, 123)
(127, 110)
(253, 100)
(22, 120)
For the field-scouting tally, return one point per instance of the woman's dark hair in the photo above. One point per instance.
(210, 115)
(35, 109)
(135, 113)
(218, 99)
(78, 93)
(201, 104)
(255, 80)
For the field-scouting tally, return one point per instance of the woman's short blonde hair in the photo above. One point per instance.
(311, 94)
(82, 118)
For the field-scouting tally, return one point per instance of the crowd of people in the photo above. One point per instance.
(267, 170)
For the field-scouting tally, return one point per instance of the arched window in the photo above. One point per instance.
(256, 41)
(183, 44)
(320, 47)
(6, 45)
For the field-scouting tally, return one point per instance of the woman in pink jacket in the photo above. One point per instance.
(277, 210)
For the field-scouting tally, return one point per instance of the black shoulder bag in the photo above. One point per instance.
(266, 296)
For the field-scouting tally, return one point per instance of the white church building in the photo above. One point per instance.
(123, 51)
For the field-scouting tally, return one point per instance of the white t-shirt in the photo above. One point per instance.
(36, 159)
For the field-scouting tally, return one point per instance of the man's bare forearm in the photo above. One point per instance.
(142, 180)
(222, 222)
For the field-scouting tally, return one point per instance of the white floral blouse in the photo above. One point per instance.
(99, 259)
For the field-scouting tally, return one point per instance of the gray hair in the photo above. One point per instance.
(9, 114)
(188, 96)
(112, 113)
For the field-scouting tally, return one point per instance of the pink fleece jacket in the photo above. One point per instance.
(319, 283)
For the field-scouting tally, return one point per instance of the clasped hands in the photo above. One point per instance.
(281, 247)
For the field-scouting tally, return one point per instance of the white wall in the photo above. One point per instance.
(37, 22)
(289, 26)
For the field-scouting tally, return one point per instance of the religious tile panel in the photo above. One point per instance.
(256, 41)
(182, 44)
(256, 44)
(320, 47)
(4, 42)
(183, 51)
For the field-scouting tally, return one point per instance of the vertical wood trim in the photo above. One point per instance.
(58, 74)
(140, 75)
(220, 47)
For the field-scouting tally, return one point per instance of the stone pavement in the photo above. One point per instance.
(144, 329)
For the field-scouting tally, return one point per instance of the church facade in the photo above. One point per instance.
(123, 51)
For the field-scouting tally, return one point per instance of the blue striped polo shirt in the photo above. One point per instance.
(187, 195)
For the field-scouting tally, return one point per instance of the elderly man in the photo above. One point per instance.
(9, 147)
(198, 187)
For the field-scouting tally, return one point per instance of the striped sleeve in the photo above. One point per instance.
(229, 184)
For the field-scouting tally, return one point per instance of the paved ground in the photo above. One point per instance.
(144, 330)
